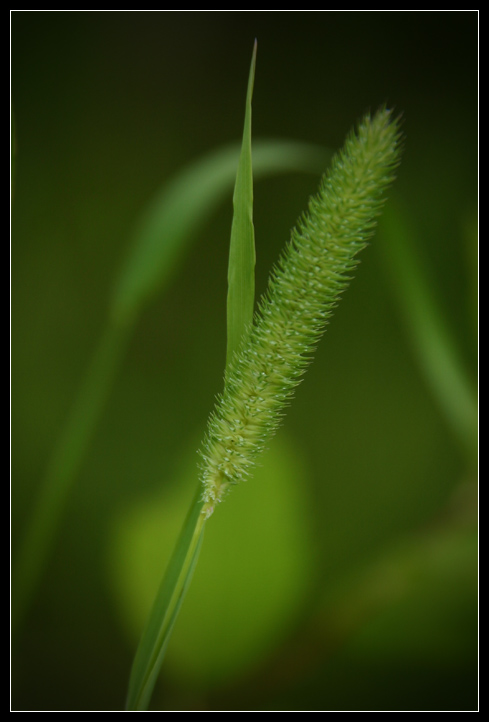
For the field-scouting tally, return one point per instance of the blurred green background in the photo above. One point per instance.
(344, 576)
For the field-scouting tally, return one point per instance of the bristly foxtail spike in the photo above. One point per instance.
(304, 287)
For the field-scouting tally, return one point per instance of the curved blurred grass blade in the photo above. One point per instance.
(155, 638)
(65, 462)
(434, 346)
(242, 257)
(158, 247)
(185, 204)
(13, 153)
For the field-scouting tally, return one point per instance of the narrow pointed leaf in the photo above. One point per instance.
(155, 638)
(241, 271)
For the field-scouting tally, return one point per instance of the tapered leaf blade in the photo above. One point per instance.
(241, 271)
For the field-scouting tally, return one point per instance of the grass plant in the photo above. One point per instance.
(158, 248)
(268, 353)
(270, 344)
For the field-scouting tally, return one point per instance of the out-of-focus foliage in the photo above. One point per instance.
(222, 629)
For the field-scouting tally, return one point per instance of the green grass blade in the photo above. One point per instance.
(286, 332)
(13, 154)
(432, 341)
(155, 638)
(271, 156)
(241, 270)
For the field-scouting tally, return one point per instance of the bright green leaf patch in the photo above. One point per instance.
(260, 548)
